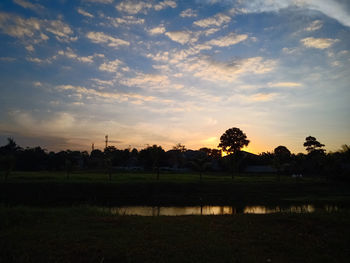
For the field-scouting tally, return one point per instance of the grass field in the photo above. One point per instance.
(43, 188)
(138, 177)
(85, 234)
(46, 218)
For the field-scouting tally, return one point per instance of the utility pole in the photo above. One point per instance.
(106, 141)
(92, 147)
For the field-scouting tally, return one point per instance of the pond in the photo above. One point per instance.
(217, 210)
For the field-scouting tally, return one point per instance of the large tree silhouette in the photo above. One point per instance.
(231, 142)
(312, 145)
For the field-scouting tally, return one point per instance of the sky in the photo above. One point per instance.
(174, 71)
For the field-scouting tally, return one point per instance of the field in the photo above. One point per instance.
(45, 217)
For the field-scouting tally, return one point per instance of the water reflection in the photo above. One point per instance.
(217, 210)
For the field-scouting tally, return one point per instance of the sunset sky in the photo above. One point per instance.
(174, 71)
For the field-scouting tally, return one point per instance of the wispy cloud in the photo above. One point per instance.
(319, 43)
(127, 20)
(61, 30)
(334, 9)
(69, 53)
(32, 29)
(181, 37)
(230, 39)
(99, 1)
(149, 81)
(38, 60)
(114, 96)
(29, 5)
(30, 48)
(111, 66)
(315, 25)
(262, 97)
(102, 38)
(216, 20)
(211, 70)
(284, 84)
(102, 82)
(84, 13)
(188, 13)
(157, 30)
(134, 7)
(165, 4)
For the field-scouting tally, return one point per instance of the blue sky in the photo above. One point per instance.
(168, 72)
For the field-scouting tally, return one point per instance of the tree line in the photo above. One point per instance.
(333, 165)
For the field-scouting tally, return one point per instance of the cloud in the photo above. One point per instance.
(31, 28)
(41, 61)
(152, 81)
(30, 48)
(69, 53)
(188, 13)
(102, 38)
(84, 13)
(331, 8)
(111, 66)
(262, 97)
(284, 84)
(216, 20)
(103, 82)
(230, 39)
(127, 20)
(135, 7)
(181, 37)
(210, 31)
(165, 4)
(157, 30)
(99, 1)
(289, 50)
(211, 70)
(29, 5)
(315, 25)
(160, 56)
(16, 26)
(61, 30)
(117, 96)
(320, 43)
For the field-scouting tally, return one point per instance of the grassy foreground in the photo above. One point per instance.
(85, 234)
(52, 189)
(45, 217)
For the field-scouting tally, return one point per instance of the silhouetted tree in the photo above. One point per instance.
(176, 156)
(152, 156)
(179, 147)
(200, 164)
(32, 159)
(231, 142)
(345, 150)
(312, 145)
(8, 157)
(266, 158)
(214, 153)
(96, 159)
(7, 164)
(315, 159)
(281, 159)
